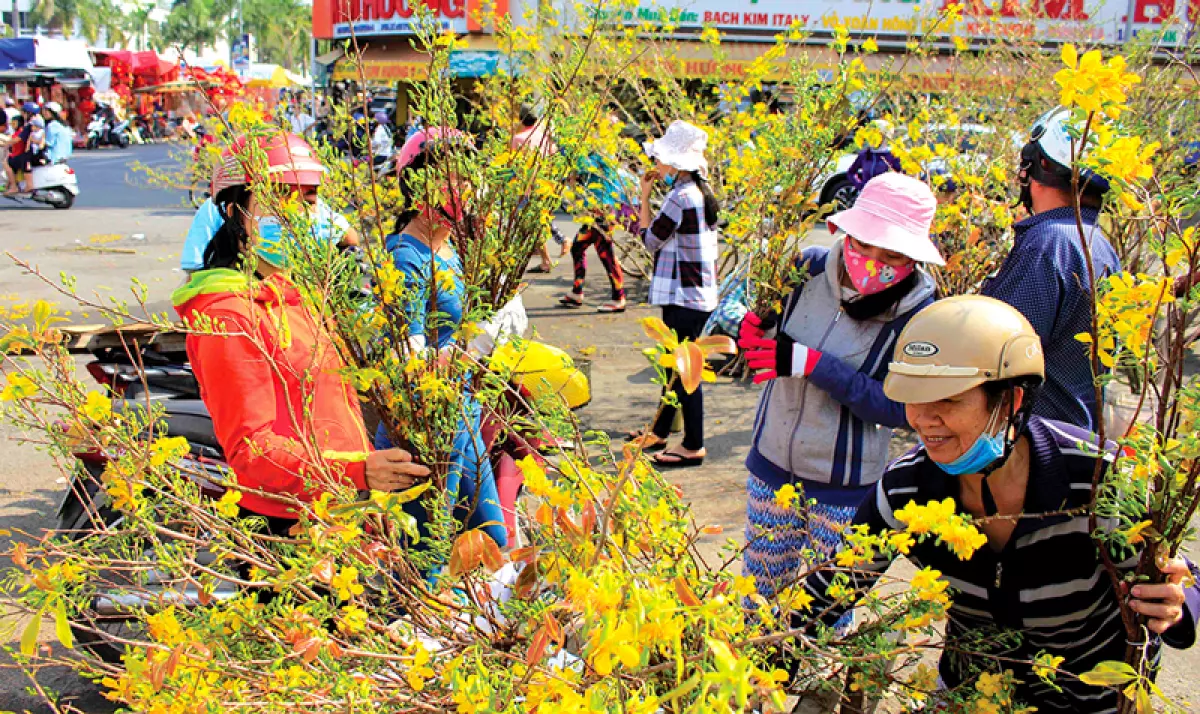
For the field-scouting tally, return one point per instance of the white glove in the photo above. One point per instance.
(509, 321)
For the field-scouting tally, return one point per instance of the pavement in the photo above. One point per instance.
(118, 230)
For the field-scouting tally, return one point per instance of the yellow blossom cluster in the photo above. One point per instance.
(942, 520)
(1125, 309)
(1093, 84)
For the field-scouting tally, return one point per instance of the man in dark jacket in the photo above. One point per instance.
(1046, 275)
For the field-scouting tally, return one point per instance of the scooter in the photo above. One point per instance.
(118, 135)
(53, 184)
(104, 130)
(97, 131)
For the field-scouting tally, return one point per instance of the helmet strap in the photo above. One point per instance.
(1014, 426)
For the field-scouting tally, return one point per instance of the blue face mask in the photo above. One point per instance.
(270, 243)
(986, 450)
(668, 180)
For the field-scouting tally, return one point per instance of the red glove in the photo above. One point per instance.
(752, 327)
(779, 357)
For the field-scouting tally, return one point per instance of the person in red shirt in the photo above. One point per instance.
(269, 372)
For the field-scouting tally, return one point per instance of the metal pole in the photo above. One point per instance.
(1129, 21)
(312, 72)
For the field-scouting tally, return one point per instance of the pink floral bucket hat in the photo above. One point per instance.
(893, 212)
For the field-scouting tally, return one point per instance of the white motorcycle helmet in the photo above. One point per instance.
(1046, 158)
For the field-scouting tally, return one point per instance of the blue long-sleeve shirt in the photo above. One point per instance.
(1045, 276)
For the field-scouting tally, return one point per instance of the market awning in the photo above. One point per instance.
(271, 76)
(44, 53)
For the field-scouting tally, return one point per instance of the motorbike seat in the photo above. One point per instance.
(188, 418)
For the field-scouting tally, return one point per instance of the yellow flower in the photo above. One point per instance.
(614, 645)
(353, 619)
(799, 599)
(962, 538)
(990, 685)
(786, 496)
(1092, 85)
(1046, 665)
(98, 407)
(419, 670)
(901, 541)
(167, 449)
(869, 46)
(165, 628)
(346, 584)
(227, 505)
(540, 486)
(711, 36)
(838, 591)
(17, 387)
(960, 43)
(745, 586)
(929, 585)
(1124, 158)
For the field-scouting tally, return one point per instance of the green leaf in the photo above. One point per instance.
(1108, 674)
(29, 637)
(62, 626)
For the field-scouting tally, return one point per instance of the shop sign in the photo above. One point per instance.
(364, 18)
(1045, 20)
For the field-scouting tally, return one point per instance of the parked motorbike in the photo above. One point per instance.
(105, 130)
(52, 184)
(161, 375)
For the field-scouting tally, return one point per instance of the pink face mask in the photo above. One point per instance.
(870, 276)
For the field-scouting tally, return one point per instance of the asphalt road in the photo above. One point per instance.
(119, 229)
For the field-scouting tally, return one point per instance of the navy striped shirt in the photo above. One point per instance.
(1045, 591)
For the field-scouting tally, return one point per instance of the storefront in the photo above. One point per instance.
(383, 32)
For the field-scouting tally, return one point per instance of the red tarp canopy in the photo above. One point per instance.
(153, 68)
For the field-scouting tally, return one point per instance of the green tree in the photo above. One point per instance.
(56, 15)
(103, 18)
(283, 29)
(196, 24)
(146, 31)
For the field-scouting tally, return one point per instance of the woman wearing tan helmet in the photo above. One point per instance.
(967, 370)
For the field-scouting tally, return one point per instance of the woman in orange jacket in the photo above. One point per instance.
(268, 372)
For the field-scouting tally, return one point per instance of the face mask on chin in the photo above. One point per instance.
(987, 449)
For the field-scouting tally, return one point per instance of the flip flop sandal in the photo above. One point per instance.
(568, 302)
(540, 269)
(679, 462)
(657, 446)
(610, 309)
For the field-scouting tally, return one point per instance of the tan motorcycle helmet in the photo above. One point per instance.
(963, 342)
(959, 343)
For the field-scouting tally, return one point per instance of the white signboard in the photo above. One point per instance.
(1044, 20)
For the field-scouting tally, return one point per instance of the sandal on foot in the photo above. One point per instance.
(570, 302)
(678, 461)
(611, 307)
(634, 436)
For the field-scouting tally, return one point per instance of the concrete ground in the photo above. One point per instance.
(118, 230)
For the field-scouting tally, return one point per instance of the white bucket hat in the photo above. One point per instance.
(682, 147)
